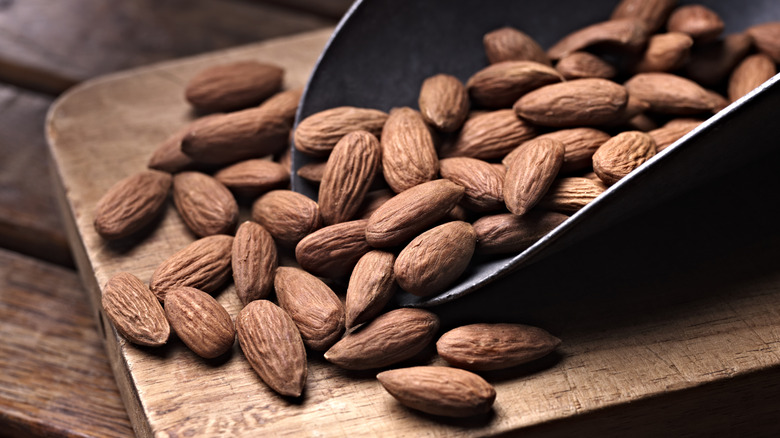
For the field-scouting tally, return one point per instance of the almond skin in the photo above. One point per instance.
(653, 13)
(371, 286)
(531, 172)
(408, 153)
(627, 34)
(317, 134)
(253, 177)
(312, 305)
(289, 216)
(508, 233)
(500, 85)
(135, 311)
(766, 37)
(436, 390)
(272, 345)
(483, 182)
(621, 154)
(580, 65)
(672, 131)
(205, 204)
(569, 195)
(432, 261)
(408, 213)
(581, 102)
(203, 264)
(489, 135)
(749, 74)
(390, 338)
(284, 104)
(233, 86)
(131, 204)
(484, 347)
(444, 102)
(670, 94)
(168, 156)
(312, 172)
(665, 52)
(579, 143)
(200, 321)
(254, 261)
(700, 22)
(334, 250)
(510, 44)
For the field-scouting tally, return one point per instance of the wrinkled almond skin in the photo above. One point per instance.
(653, 13)
(131, 204)
(569, 195)
(749, 74)
(509, 233)
(205, 204)
(317, 134)
(273, 346)
(665, 52)
(489, 135)
(432, 261)
(253, 177)
(334, 250)
(510, 44)
(672, 131)
(698, 21)
(373, 200)
(408, 153)
(371, 286)
(711, 63)
(168, 156)
(390, 338)
(312, 305)
(135, 311)
(203, 264)
(766, 37)
(437, 390)
(233, 86)
(580, 65)
(621, 154)
(484, 347)
(670, 94)
(531, 172)
(579, 144)
(289, 216)
(444, 102)
(254, 261)
(482, 181)
(348, 174)
(408, 213)
(500, 85)
(200, 321)
(627, 34)
(580, 102)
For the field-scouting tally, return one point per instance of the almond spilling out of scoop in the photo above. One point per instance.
(233, 86)
(254, 177)
(317, 134)
(289, 216)
(135, 311)
(254, 261)
(334, 250)
(205, 204)
(131, 204)
(200, 321)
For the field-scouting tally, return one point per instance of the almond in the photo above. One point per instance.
(482, 181)
(254, 261)
(253, 177)
(200, 321)
(436, 258)
(627, 34)
(579, 145)
(390, 338)
(665, 52)
(621, 154)
(653, 13)
(312, 172)
(408, 213)
(581, 102)
(569, 195)
(131, 204)
(272, 345)
(334, 250)
(135, 311)
(580, 65)
(349, 172)
(205, 204)
(711, 63)
(284, 104)
(444, 102)
(531, 172)
(766, 37)
(373, 200)
(489, 135)
(318, 134)
(749, 74)
(670, 94)
(203, 264)
(672, 131)
(408, 153)
(700, 22)
(508, 233)
(500, 85)
(510, 44)
(289, 216)
(168, 156)
(371, 286)
(436, 390)
(233, 86)
(483, 347)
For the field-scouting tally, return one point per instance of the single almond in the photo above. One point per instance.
(670, 94)
(489, 135)
(500, 85)
(432, 261)
(569, 195)
(272, 345)
(531, 172)
(373, 200)
(510, 44)
(580, 65)
(334, 250)
(408, 153)
(253, 177)
(312, 305)
(312, 172)
(665, 52)
(205, 204)
(483, 182)
(626, 34)
(289, 216)
(444, 102)
(653, 13)
(200, 321)
(371, 286)
(621, 154)
(131, 204)
(203, 264)
(233, 86)
(135, 311)
(766, 37)
(749, 74)
(579, 143)
(168, 156)
(284, 104)
(672, 131)
(509, 233)
(581, 102)
(254, 261)
(700, 22)
(711, 63)
(318, 134)
(390, 338)
(484, 347)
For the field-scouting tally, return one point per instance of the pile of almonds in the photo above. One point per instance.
(406, 198)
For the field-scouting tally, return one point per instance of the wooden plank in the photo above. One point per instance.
(644, 341)
(55, 377)
(92, 37)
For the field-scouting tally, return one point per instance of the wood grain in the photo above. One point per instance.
(55, 378)
(623, 355)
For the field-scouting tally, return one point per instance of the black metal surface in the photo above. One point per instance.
(383, 50)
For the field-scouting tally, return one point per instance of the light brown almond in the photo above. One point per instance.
(253, 177)
(672, 131)
(483, 182)
(510, 44)
(390, 338)
(483, 347)
(254, 261)
(531, 172)
(205, 204)
(410, 212)
(621, 154)
(334, 250)
(569, 195)
(665, 52)
(509, 233)
(168, 156)
(373, 200)
(653, 13)
(233, 86)
(700, 22)
(135, 311)
(489, 135)
(579, 144)
(580, 65)
(408, 153)
(131, 204)
(766, 37)
(371, 286)
(711, 63)
(289, 216)
(318, 134)
(581, 102)
(749, 74)
(670, 94)
(641, 122)
(200, 321)
(312, 172)
(273, 346)
(626, 34)
(203, 264)
(284, 104)
(500, 85)
(444, 102)
(432, 261)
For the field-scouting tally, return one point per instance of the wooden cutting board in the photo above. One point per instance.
(710, 365)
